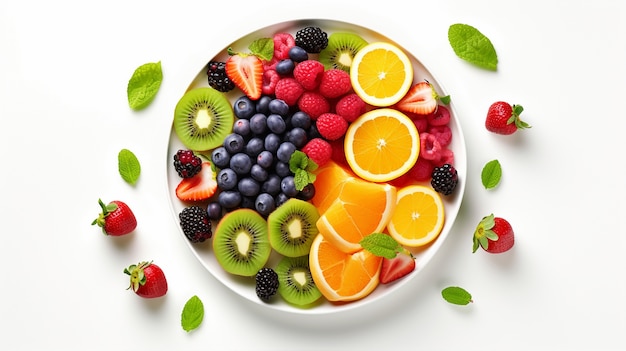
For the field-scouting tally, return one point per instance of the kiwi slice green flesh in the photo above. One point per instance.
(292, 227)
(341, 50)
(203, 118)
(295, 283)
(240, 243)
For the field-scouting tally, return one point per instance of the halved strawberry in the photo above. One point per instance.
(395, 268)
(420, 99)
(246, 71)
(199, 187)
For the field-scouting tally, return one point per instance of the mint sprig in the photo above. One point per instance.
(193, 314)
(128, 166)
(491, 174)
(383, 245)
(144, 85)
(456, 295)
(302, 167)
(262, 48)
(472, 46)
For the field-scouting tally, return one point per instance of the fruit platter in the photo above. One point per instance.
(314, 166)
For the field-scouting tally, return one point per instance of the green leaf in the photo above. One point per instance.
(302, 167)
(445, 99)
(491, 174)
(128, 166)
(263, 48)
(456, 295)
(381, 245)
(144, 85)
(472, 46)
(193, 314)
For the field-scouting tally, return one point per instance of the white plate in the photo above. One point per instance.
(245, 286)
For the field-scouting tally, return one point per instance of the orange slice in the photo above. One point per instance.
(329, 181)
(361, 208)
(381, 73)
(382, 145)
(343, 276)
(418, 216)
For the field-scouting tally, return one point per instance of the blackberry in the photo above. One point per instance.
(194, 221)
(218, 79)
(266, 283)
(444, 179)
(187, 164)
(312, 39)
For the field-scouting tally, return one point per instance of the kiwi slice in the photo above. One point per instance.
(341, 50)
(292, 227)
(295, 283)
(240, 242)
(202, 118)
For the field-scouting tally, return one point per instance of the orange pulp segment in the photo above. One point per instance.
(328, 183)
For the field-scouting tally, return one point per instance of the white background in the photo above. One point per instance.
(64, 66)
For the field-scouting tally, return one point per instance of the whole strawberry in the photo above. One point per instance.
(147, 279)
(504, 118)
(116, 218)
(494, 235)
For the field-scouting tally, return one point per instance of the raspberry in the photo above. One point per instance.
(194, 221)
(313, 104)
(447, 156)
(350, 107)
(335, 83)
(440, 117)
(282, 43)
(331, 126)
(339, 154)
(270, 79)
(309, 73)
(444, 179)
(318, 150)
(421, 124)
(312, 39)
(422, 170)
(430, 148)
(266, 283)
(442, 133)
(288, 90)
(187, 164)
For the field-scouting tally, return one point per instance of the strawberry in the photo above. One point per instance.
(494, 235)
(147, 279)
(199, 187)
(504, 118)
(395, 268)
(246, 72)
(116, 218)
(421, 99)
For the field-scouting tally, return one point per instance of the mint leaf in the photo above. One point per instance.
(128, 166)
(263, 48)
(144, 85)
(193, 314)
(491, 174)
(456, 295)
(472, 46)
(381, 245)
(302, 167)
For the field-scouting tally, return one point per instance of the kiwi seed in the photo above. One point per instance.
(202, 118)
(292, 227)
(240, 243)
(341, 50)
(295, 283)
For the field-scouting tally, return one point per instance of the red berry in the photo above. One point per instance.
(422, 170)
(309, 73)
(270, 80)
(494, 235)
(504, 118)
(395, 268)
(147, 280)
(116, 218)
(430, 148)
(440, 117)
(318, 150)
(442, 133)
(282, 43)
(421, 124)
(350, 107)
(313, 104)
(288, 90)
(335, 83)
(331, 126)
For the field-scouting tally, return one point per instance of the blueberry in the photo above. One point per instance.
(234, 143)
(263, 104)
(229, 199)
(285, 67)
(280, 199)
(258, 173)
(226, 179)
(244, 107)
(264, 204)
(307, 192)
(254, 147)
(312, 132)
(298, 54)
(288, 186)
(297, 136)
(241, 163)
(242, 127)
(258, 123)
(248, 187)
(248, 202)
(271, 185)
(282, 169)
(276, 123)
(272, 142)
(285, 150)
(301, 120)
(279, 107)
(220, 157)
(265, 159)
(214, 210)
